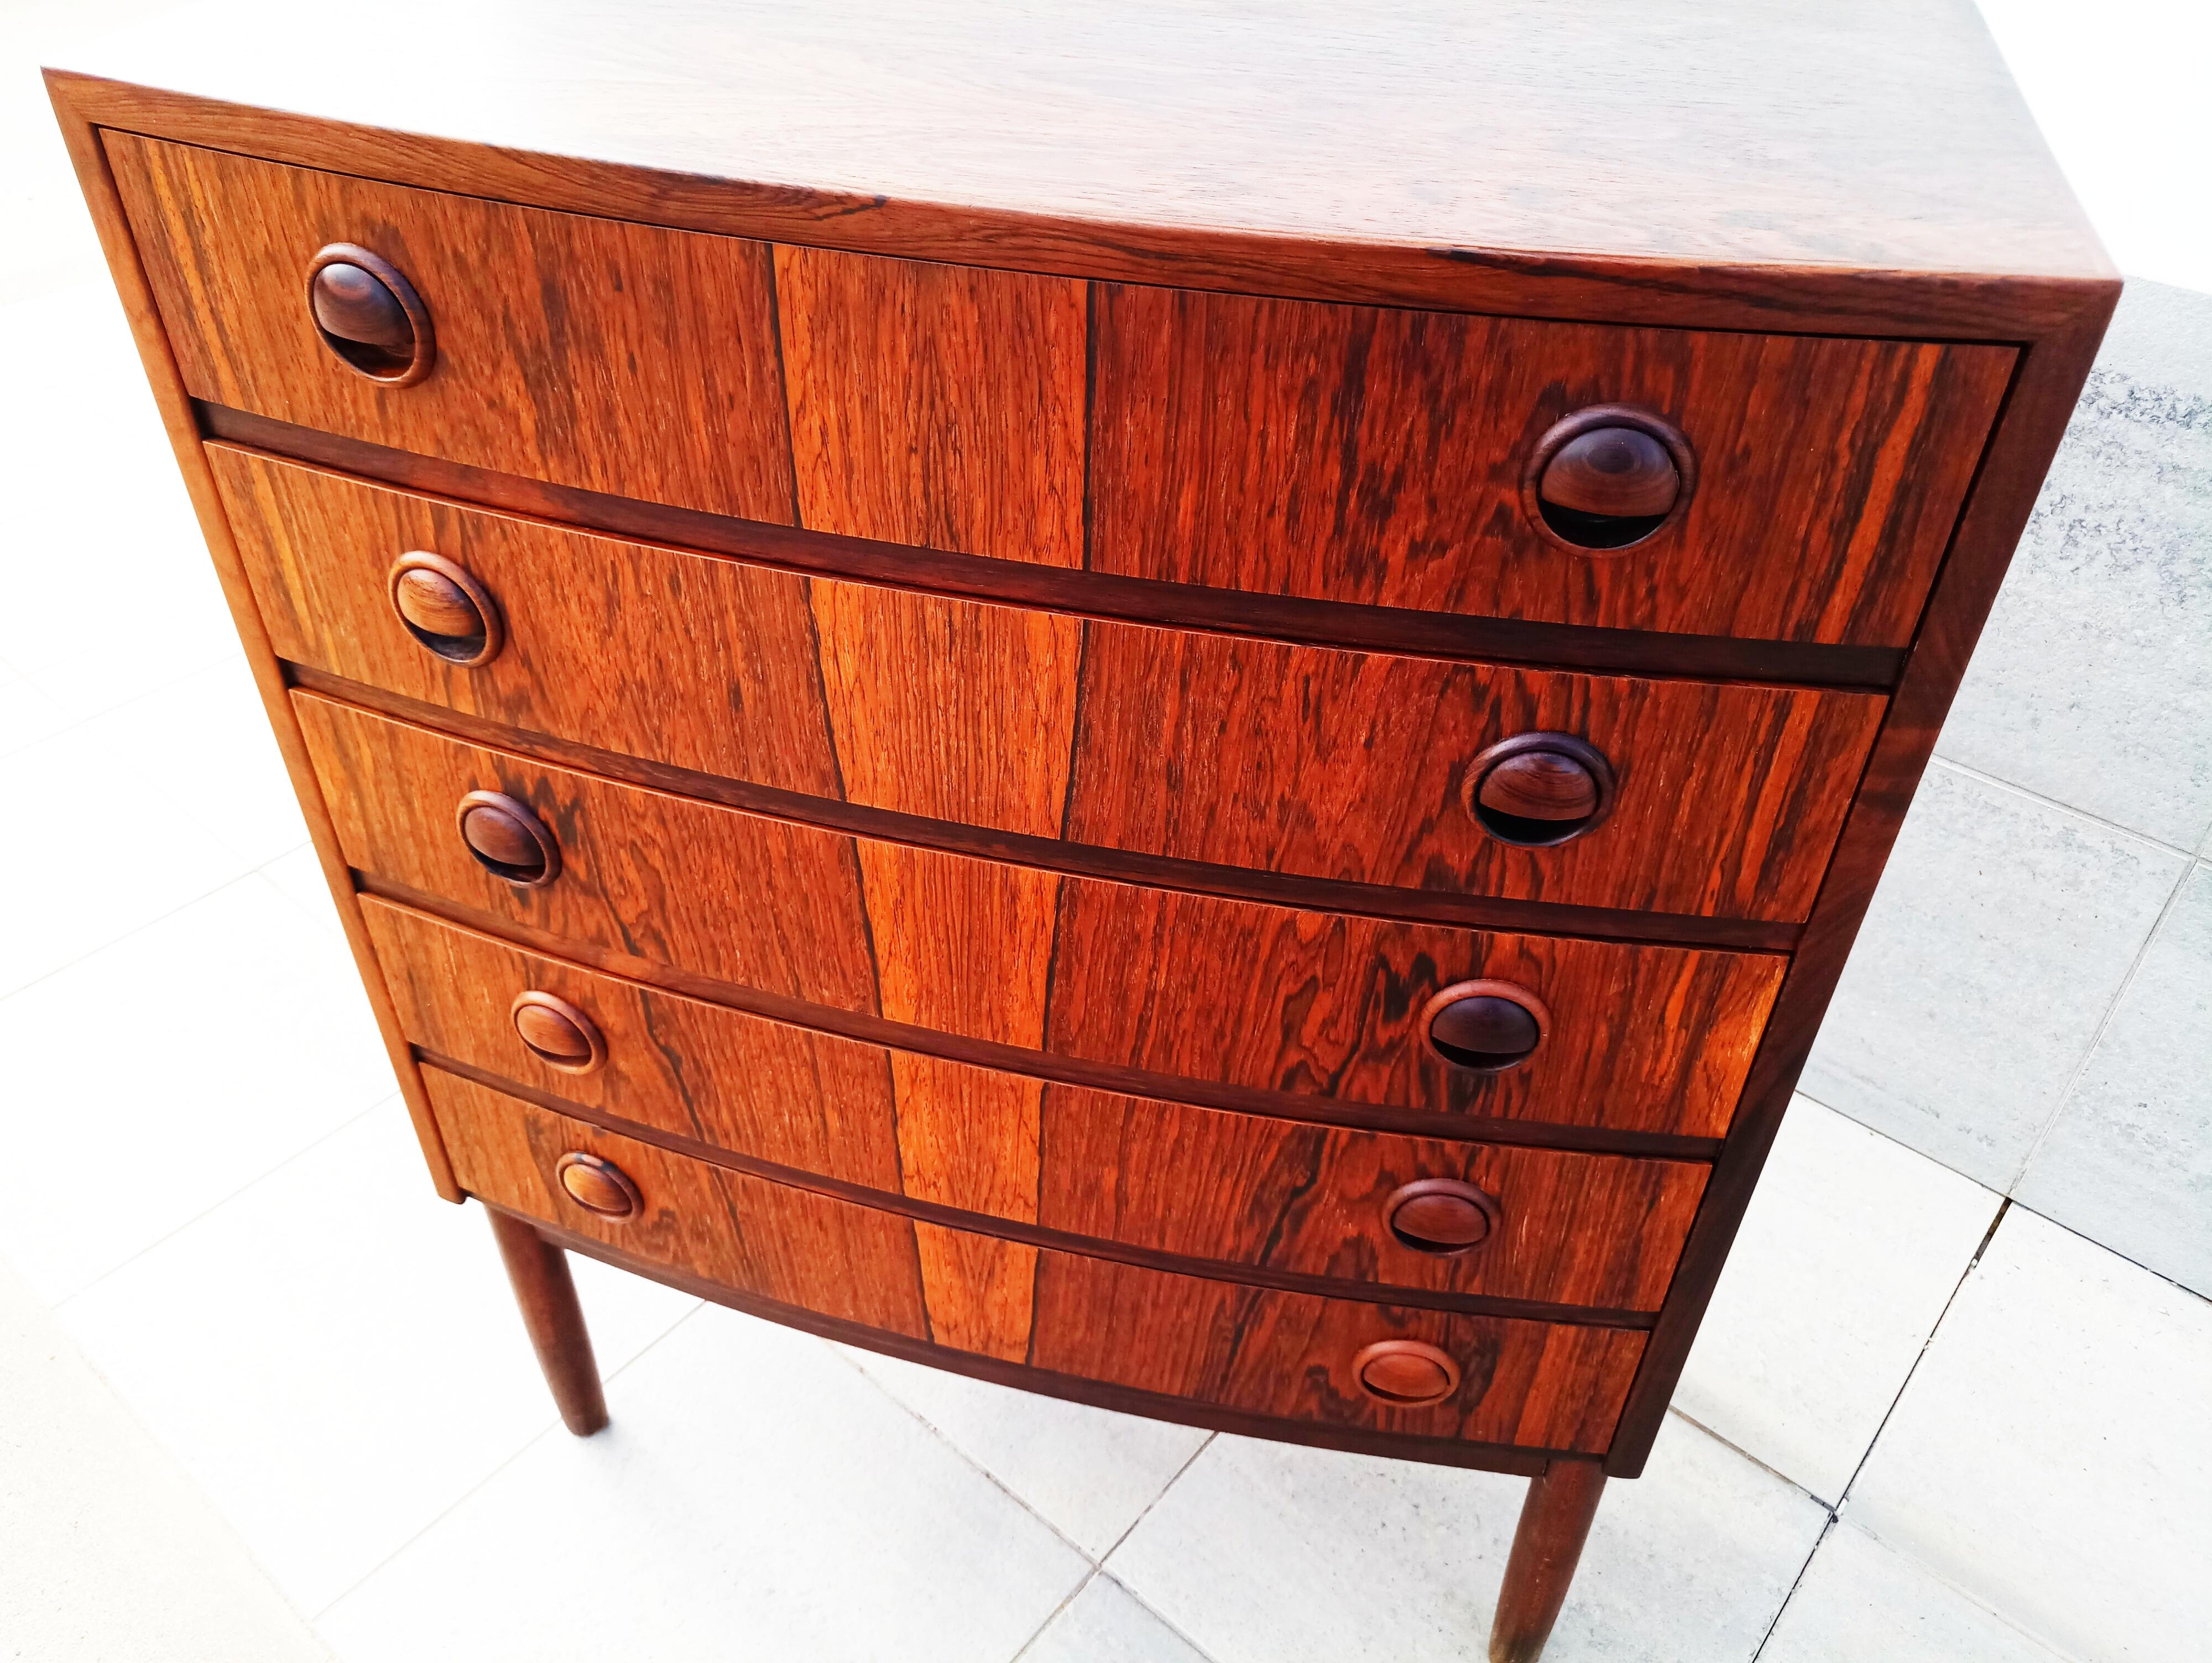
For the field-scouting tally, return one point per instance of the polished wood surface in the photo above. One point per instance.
(1547, 1386)
(1295, 1002)
(1358, 454)
(1268, 149)
(1547, 1545)
(1193, 746)
(1569, 1228)
(546, 1294)
(684, 406)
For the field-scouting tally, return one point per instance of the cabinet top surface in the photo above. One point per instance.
(1883, 135)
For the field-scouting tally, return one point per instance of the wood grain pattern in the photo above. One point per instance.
(1577, 1229)
(1424, 146)
(539, 1273)
(1187, 745)
(682, 403)
(1297, 1002)
(1547, 1543)
(768, 1238)
(1544, 1385)
(940, 405)
(1353, 453)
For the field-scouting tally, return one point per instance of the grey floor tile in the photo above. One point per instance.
(2129, 1160)
(1106, 1624)
(1089, 1471)
(1860, 1603)
(108, 1552)
(1266, 1553)
(2003, 928)
(1852, 1248)
(2093, 682)
(756, 1497)
(2051, 1458)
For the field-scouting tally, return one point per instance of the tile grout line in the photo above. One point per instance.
(2063, 806)
(2104, 1025)
(1145, 1513)
(135, 931)
(1091, 1573)
(546, 1428)
(217, 1205)
(1797, 1582)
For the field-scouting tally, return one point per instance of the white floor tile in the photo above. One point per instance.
(172, 1069)
(1105, 1624)
(27, 714)
(108, 1552)
(89, 857)
(2051, 1456)
(1851, 1248)
(1266, 1553)
(1089, 1471)
(2129, 1160)
(2003, 929)
(1860, 1603)
(334, 1354)
(756, 1497)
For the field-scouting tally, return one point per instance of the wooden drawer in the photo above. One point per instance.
(1217, 749)
(1217, 1341)
(1258, 998)
(1364, 454)
(1566, 1227)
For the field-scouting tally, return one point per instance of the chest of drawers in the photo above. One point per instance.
(1213, 754)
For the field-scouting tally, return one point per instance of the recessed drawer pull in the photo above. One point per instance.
(1607, 477)
(1408, 1373)
(597, 1185)
(556, 1032)
(1538, 790)
(508, 840)
(1487, 1026)
(1441, 1215)
(445, 609)
(370, 315)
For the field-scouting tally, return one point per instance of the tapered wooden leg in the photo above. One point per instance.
(1555, 1521)
(547, 1295)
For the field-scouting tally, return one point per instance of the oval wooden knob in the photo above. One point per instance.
(597, 1185)
(1406, 1373)
(508, 840)
(556, 1032)
(357, 305)
(445, 609)
(370, 315)
(1539, 789)
(1441, 1215)
(1485, 1026)
(1607, 476)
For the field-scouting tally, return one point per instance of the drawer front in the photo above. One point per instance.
(594, 352)
(1726, 798)
(1201, 987)
(1563, 1227)
(1264, 1351)
(1355, 453)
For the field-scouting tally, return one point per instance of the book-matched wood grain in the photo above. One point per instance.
(768, 1238)
(1544, 1385)
(1648, 1038)
(1354, 453)
(1575, 1228)
(1186, 744)
(680, 401)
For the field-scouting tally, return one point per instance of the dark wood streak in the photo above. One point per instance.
(1097, 594)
